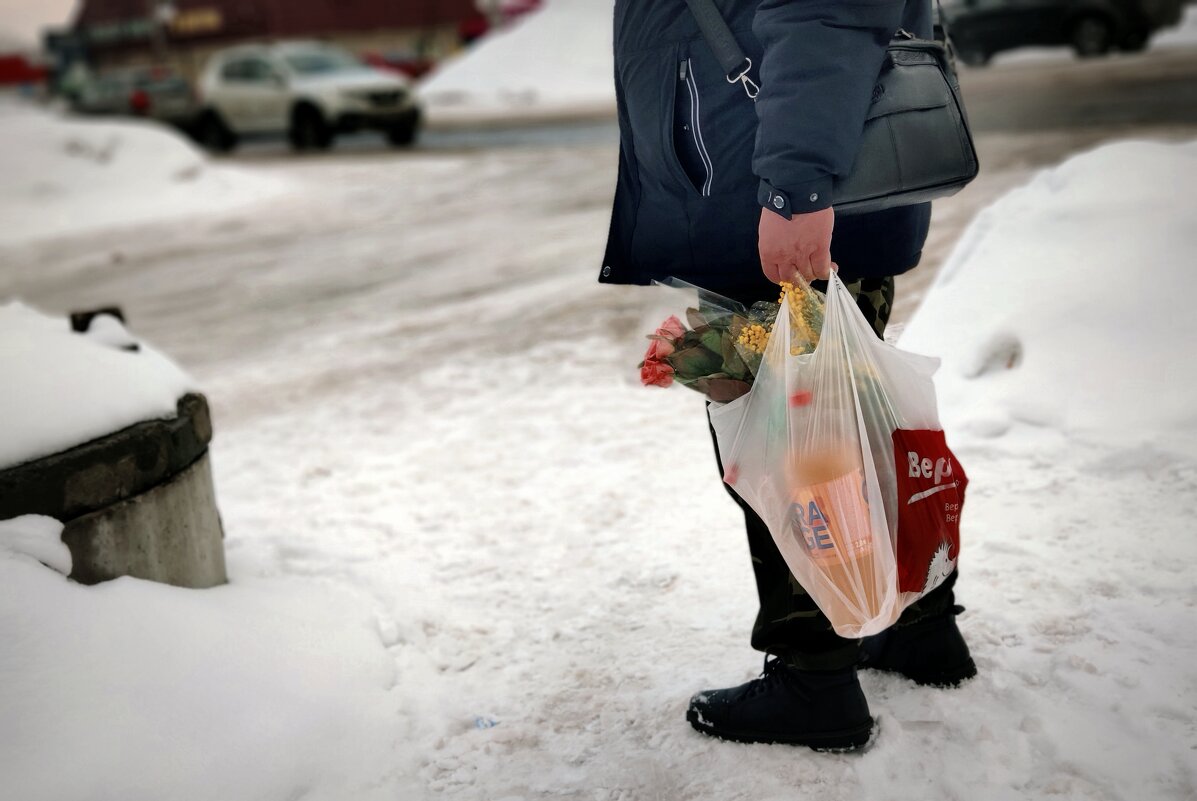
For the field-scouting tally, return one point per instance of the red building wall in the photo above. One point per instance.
(122, 20)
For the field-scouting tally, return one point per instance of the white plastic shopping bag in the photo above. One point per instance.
(841, 453)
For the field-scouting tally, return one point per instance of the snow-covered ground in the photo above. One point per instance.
(472, 558)
(554, 62)
(134, 690)
(68, 175)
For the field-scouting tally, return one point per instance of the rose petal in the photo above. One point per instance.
(672, 328)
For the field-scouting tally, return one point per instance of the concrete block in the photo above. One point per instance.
(121, 465)
(169, 533)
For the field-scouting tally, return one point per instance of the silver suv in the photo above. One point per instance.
(306, 91)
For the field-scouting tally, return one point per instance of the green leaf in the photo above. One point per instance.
(736, 326)
(732, 363)
(721, 390)
(695, 362)
(712, 340)
(695, 318)
(690, 339)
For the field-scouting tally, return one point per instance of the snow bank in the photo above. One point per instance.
(38, 538)
(135, 690)
(1182, 35)
(1066, 304)
(66, 176)
(61, 389)
(556, 61)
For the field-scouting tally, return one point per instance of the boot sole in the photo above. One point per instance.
(837, 742)
(942, 678)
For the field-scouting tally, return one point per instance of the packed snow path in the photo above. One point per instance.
(427, 419)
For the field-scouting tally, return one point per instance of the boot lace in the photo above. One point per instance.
(773, 673)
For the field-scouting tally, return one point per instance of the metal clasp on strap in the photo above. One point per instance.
(750, 87)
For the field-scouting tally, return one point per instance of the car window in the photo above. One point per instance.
(168, 86)
(251, 70)
(323, 60)
(232, 70)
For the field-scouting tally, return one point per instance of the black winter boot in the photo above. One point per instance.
(826, 711)
(928, 651)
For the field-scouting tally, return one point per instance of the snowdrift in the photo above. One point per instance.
(1065, 304)
(70, 175)
(138, 690)
(1182, 35)
(555, 62)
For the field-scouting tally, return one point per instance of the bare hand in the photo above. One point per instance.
(799, 246)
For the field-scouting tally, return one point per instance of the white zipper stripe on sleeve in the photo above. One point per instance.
(696, 129)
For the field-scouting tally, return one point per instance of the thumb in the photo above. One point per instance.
(821, 264)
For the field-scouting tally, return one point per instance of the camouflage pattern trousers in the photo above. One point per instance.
(789, 624)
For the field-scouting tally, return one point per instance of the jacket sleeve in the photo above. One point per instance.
(821, 60)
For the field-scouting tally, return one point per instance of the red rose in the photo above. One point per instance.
(655, 373)
(664, 339)
(657, 350)
(672, 328)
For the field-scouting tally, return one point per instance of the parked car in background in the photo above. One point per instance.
(152, 92)
(981, 28)
(306, 91)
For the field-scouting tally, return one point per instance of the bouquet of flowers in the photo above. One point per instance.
(720, 352)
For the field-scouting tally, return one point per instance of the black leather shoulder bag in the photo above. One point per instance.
(916, 144)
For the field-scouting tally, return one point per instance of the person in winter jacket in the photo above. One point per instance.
(735, 196)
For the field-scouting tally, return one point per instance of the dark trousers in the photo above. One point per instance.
(789, 624)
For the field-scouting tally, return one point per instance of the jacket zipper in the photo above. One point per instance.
(686, 73)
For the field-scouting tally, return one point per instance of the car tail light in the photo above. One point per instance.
(139, 102)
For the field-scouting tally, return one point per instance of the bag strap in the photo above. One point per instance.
(731, 58)
(941, 24)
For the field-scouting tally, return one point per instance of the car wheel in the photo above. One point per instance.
(1091, 36)
(1136, 41)
(403, 134)
(973, 57)
(213, 134)
(309, 131)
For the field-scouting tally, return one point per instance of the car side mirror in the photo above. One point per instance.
(278, 81)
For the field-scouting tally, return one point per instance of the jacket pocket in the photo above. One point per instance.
(689, 143)
(715, 122)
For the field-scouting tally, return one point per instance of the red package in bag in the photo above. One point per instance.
(931, 487)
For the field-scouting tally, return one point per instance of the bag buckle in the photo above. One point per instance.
(750, 87)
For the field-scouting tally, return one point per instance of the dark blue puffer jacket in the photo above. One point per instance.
(698, 159)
